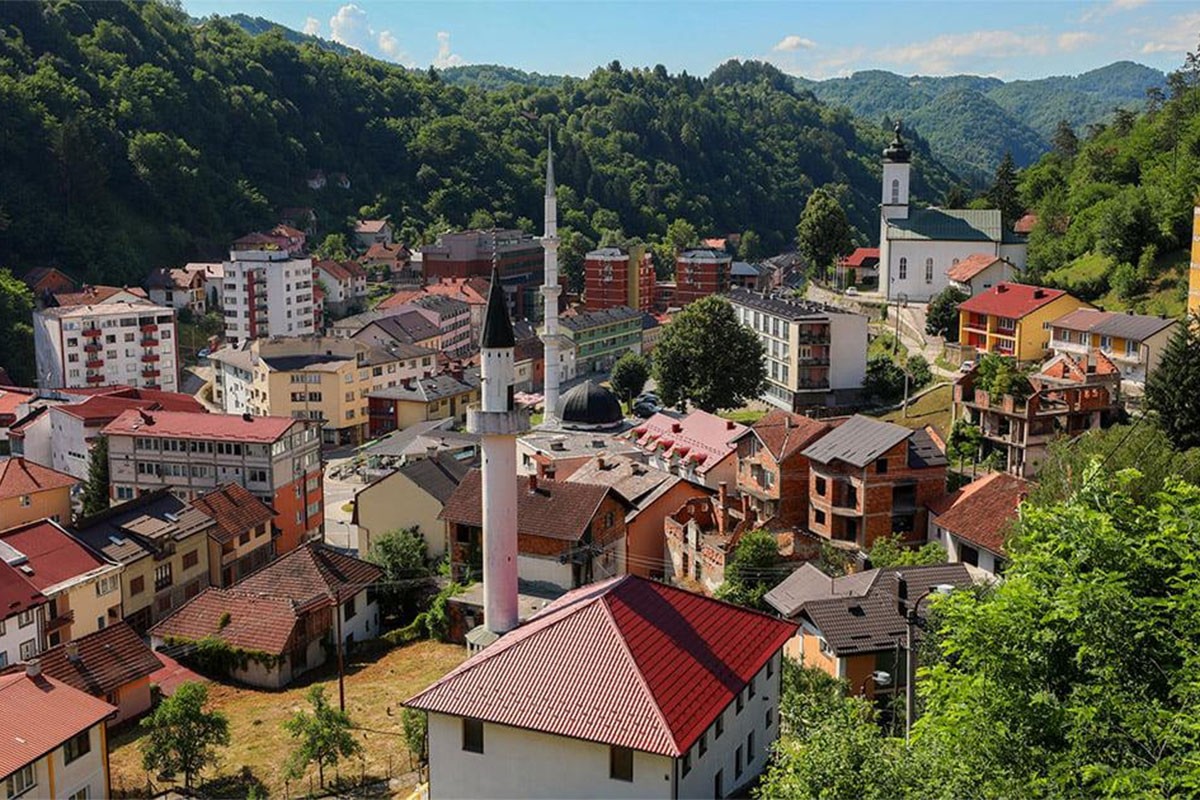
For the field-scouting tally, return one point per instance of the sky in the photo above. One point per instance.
(1009, 40)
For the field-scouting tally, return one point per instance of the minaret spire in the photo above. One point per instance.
(550, 291)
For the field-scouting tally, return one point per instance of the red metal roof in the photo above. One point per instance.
(53, 554)
(628, 662)
(1012, 300)
(39, 715)
(860, 256)
(709, 437)
(17, 593)
(194, 425)
(19, 477)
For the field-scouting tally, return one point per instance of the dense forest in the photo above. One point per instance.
(132, 137)
(971, 121)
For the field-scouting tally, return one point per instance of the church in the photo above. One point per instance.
(917, 246)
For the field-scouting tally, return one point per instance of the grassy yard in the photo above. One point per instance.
(260, 746)
(932, 409)
(745, 416)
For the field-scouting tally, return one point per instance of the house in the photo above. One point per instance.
(411, 497)
(615, 276)
(529, 357)
(569, 534)
(1065, 398)
(700, 272)
(15, 404)
(316, 179)
(816, 353)
(972, 523)
(417, 441)
(752, 277)
(1013, 319)
(979, 272)
(443, 396)
(393, 259)
(292, 239)
(243, 539)
(918, 246)
(556, 454)
(84, 590)
(640, 690)
(699, 447)
(1134, 343)
(368, 232)
(337, 283)
(303, 218)
(276, 458)
(772, 470)
(56, 745)
(24, 611)
(48, 280)
(161, 545)
(652, 331)
(850, 626)
(89, 295)
(283, 617)
(653, 495)
(30, 492)
(598, 338)
(113, 665)
(860, 267)
(404, 325)
(179, 289)
(870, 479)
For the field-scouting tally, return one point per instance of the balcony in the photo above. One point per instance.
(150, 372)
(61, 621)
(92, 333)
(95, 379)
(148, 342)
(94, 347)
(149, 357)
(95, 363)
(151, 328)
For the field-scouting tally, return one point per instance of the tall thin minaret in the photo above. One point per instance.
(551, 290)
(498, 421)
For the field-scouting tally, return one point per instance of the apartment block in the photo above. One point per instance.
(616, 276)
(267, 293)
(277, 458)
(599, 338)
(699, 273)
(466, 254)
(132, 343)
(1133, 342)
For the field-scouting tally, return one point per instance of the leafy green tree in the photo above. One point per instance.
(751, 247)
(416, 732)
(406, 573)
(708, 358)
(884, 381)
(96, 488)
(16, 329)
(1000, 375)
(824, 232)
(335, 247)
(181, 736)
(323, 737)
(941, 317)
(891, 551)
(1173, 388)
(755, 567)
(1003, 194)
(919, 373)
(629, 376)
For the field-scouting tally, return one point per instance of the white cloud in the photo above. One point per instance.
(389, 45)
(349, 26)
(1177, 37)
(312, 26)
(793, 42)
(444, 57)
(1100, 11)
(954, 52)
(1073, 40)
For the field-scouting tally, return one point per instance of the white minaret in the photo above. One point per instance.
(498, 421)
(551, 291)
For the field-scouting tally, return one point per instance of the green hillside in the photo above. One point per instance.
(493, 77)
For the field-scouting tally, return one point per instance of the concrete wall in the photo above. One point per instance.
(132, 700)
(847, 351)
(70, 451)
(14, 635)
(89, 771)
(53, 503)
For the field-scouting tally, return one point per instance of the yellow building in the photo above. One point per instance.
(29, 492)
(1013, 319)
(1194, 272)
(410, 497)
(443, 396)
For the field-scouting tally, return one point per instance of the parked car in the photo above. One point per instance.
(645, 409)
(966, 366)
(648, 397)
(851, 291)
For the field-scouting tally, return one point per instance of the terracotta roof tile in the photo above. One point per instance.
(311, 574)
(256, 622)
(783, 433)
(39, 715)
(235, 510)
(983, 510)
(555, 510)
(20, 477)
(969, 267)
(108, 659)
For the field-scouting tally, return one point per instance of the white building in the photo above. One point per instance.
(267, 293)
(979, 272)
(130, 343)
(603, 713)
(917, 246)
(973, 523)
(23, 618)
(1133, 342)
(233, 378)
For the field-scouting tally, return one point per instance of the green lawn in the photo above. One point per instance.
(932, 409)
(745, 416)
(1163, 295)
(884, 344)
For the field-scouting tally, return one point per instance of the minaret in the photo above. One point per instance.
(498, 421)
(551, 291)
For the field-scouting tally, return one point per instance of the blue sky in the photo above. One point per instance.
(1008, 40)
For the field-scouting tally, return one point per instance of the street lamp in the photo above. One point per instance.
(909, 612)
(901, 302)
(879, 677)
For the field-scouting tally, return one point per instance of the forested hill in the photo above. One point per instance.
(132, 138)
(493, 77)
(970, 121)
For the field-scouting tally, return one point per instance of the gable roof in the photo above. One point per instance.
(370, 225)
(437, 477)
(703, 438)
(333, 269)
(982, 511)
(554, 509)
(1112, 323)
(132, 530)
(20, 477)
(51, 555)
(784, 433)
(195, 425)
(41, 713)
(858, 441)
(310, 575)
(17, 593)
(256, 622)
(627, 662)
(407, 326)
(969, 267)
(1013, 300)
(861, 256)
(235, 509)
(633, 480)
(947, 225)
(95, 295)
(108, 659)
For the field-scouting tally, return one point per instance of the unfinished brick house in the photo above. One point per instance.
(772, 468)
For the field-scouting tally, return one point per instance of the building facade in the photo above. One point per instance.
(466, 254)
(29, 492)
(267, 293)
(599, 338)
(1134, 343)
(615, 276)
(1013, 319)
(699, 273)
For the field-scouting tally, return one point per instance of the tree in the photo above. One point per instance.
(406, 575)
(919, 373)
(335, 247)
(884, 381)
(824, 233)
(941, 318)
(1003, 194)
(1064, 141)
(323, 737)
(891, 551)
(16, 329)
(708, 358)
(416, 731)
(753, 570)
(629, 376)
(1173, 388)
(750, 248)
(181, 736)
(96, 488)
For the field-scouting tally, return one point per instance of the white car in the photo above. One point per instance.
(851, 291)
(966, 366)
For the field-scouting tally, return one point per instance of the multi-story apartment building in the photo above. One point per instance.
(599, 338)
(1133, 342)
(816, 354)
(453, 320)
(276, 458)
(1013, 319)
(267, 293)
(615, 276)
(131, 343)
(699, 273)
(466, 254)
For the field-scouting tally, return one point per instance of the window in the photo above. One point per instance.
(818, 516)
(244, 538)
(770, 717)
(770, 666)
(22, 780)
(620, 763)
(28, 649)
(703, 743)
(1106, 343)
(820, 486)
(26, 618)
(137, 585)
(77, 746)
(107, 584)
(895, 191)
(472, 735)
(749, 747)
(751, 688)
(82, 794)
(687, 762)
(348, 608)
(904, 269)
(26, 501)
(929, 270)
(881, 466)
(162, 577)
(3, 659)
(737, 762)
(720, 725)
(741, 702)
(191, 559)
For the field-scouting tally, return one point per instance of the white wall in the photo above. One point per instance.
(14, 635)
(364, 624)
(943, 254)
(953, 545)
(36, 446)
(847, 351)
(544, 568)
(68, 443)
(85, 771)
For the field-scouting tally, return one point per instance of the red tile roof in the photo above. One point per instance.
(17, 593)
(626, 662)
(334, 269)
(400, 298)
(860, 256)
(311, 575)
(969, 267)
(255, 622)
(167, 401)
(784, 433)
(41, 714)
(370, 225)
(1025, 224)
(10, 399)
(52, 554)
(982, 511)
(18, 477)
(555, 510)
(91, 295)
(235, 510)
(354, 268)
(193, 425)
(705, 438)
(1012, 300)
(107, 660)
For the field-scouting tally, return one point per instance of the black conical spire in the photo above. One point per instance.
(497, 327)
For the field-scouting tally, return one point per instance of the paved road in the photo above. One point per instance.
(339, 531)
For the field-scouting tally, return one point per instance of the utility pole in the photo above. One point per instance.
(337, 617)
(901, 299)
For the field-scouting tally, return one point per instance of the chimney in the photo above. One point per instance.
(676, 427)
(729, 424)
(1001, 288)
(532, 483)
(600, 462)
(33, 668)
(146, 418)
(72, 650)
(1038, 294)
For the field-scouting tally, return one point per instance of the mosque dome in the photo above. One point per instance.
(589, 406)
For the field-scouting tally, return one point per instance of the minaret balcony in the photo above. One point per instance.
(497, 423)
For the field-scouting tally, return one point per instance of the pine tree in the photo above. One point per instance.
(1173, 388)
(95, 491)
(1003, 193)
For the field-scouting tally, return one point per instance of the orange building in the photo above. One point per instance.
(699, 273)
(1194, 272)
(30, 492)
